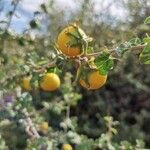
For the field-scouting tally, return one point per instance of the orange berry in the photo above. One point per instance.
(94, 81)
(64, 39)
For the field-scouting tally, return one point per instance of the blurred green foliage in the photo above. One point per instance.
(75, 115)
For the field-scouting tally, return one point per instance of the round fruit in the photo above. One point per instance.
(43, 127)
(50, 82)
(67, 147)
(94, 81)
(64, 39)
(26, 83)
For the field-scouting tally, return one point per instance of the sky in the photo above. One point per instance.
(24, 12)
(26, 8)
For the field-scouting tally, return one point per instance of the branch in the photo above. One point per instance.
(98, 53)
(11, 15)
(37, 69)
(8, 24)
(137, 50)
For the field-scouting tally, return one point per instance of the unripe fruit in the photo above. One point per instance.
(50, 82)
(94, 81)
(26, 83)
(67, 147)
(64, 39)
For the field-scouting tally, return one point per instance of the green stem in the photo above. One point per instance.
(77, 75)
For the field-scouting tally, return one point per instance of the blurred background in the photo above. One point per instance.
(126, 95)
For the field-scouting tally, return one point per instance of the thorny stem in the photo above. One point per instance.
(12, 14)
(40, 69)
(30, 128)
(77, 75)
(136, 49)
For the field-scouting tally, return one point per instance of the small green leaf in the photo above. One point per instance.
(114, 131)
(21, 41)
(53, 70)
(86, 145)
(147, 20)
(44, 8)
(37, 13)
(34, 80)
(145, 55)
(146, 40)
(135, 41)
(73, 42)
(34, 24)
(140, 143)
(74, 34)
(122, 48)
(104, 63)
(108, 118)
(90, 49)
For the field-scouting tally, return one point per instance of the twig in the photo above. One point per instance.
(11, 15)
(98, 53)
(36, 69)
(137, 50)
(8, 24)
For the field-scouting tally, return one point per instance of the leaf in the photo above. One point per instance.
(10, 13)
(73, 42)
(90, 49)
(114, 131)
(135, 41)
(86, 145)
(147, 20)
(53, 70)
(122, 48)
(3, 22)
(104, 63)
(108, 118)
(34, 24)
(146, 40)
(37, 13)
(145, 55)
(34, 80)
(140, 143)
(21, 41)
(44, 8)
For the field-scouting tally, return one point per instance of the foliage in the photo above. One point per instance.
(70, 114)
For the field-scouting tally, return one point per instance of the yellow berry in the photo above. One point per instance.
(50, 82)
(26, 83)
(67, 147)
(43, 127)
